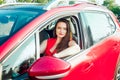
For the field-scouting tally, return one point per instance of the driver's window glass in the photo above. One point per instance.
(18, 63)
(100, 25)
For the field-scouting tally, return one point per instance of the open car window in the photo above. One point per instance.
(47, 31)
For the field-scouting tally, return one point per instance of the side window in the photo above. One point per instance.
(47, 32)
(20, 60)
(100, 25)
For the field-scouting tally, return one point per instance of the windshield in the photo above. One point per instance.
(13, 20)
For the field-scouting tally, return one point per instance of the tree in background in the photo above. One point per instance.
(110, 4)
(24, 0)
(1, 1)
(41, 1)
(94, 1)
(37, 1)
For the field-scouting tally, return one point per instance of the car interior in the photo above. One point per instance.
(47, 32)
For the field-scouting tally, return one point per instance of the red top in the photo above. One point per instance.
(50, 44)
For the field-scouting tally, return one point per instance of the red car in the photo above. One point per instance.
(24, 27)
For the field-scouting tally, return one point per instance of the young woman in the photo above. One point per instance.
(62, 44)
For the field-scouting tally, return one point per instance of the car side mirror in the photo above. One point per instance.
(49, 68)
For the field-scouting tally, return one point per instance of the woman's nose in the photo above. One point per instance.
(61, 30)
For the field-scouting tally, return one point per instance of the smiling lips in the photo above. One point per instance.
(61, 34)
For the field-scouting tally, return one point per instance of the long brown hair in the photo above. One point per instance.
(65, 40)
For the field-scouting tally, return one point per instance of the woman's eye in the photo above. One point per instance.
(64, 28)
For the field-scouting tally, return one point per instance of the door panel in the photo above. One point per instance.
(95, 63)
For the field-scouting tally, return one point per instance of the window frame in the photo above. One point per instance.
(55, 18)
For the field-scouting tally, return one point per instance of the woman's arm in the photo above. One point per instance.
(43, 46)
(71, 50)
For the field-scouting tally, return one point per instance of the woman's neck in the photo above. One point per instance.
(58, 40)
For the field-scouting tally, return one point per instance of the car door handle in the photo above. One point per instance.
(87, 67)
(116, 46)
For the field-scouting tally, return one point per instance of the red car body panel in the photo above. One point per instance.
(98, 61)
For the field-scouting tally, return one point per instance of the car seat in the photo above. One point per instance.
(43, 35)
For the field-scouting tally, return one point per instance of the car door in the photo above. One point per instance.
(98, 58)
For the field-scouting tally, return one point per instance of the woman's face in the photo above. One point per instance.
(61, 29)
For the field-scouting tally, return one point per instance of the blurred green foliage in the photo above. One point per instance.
(94, 1)
(1, 1)
(110, 4)
(37, 1)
